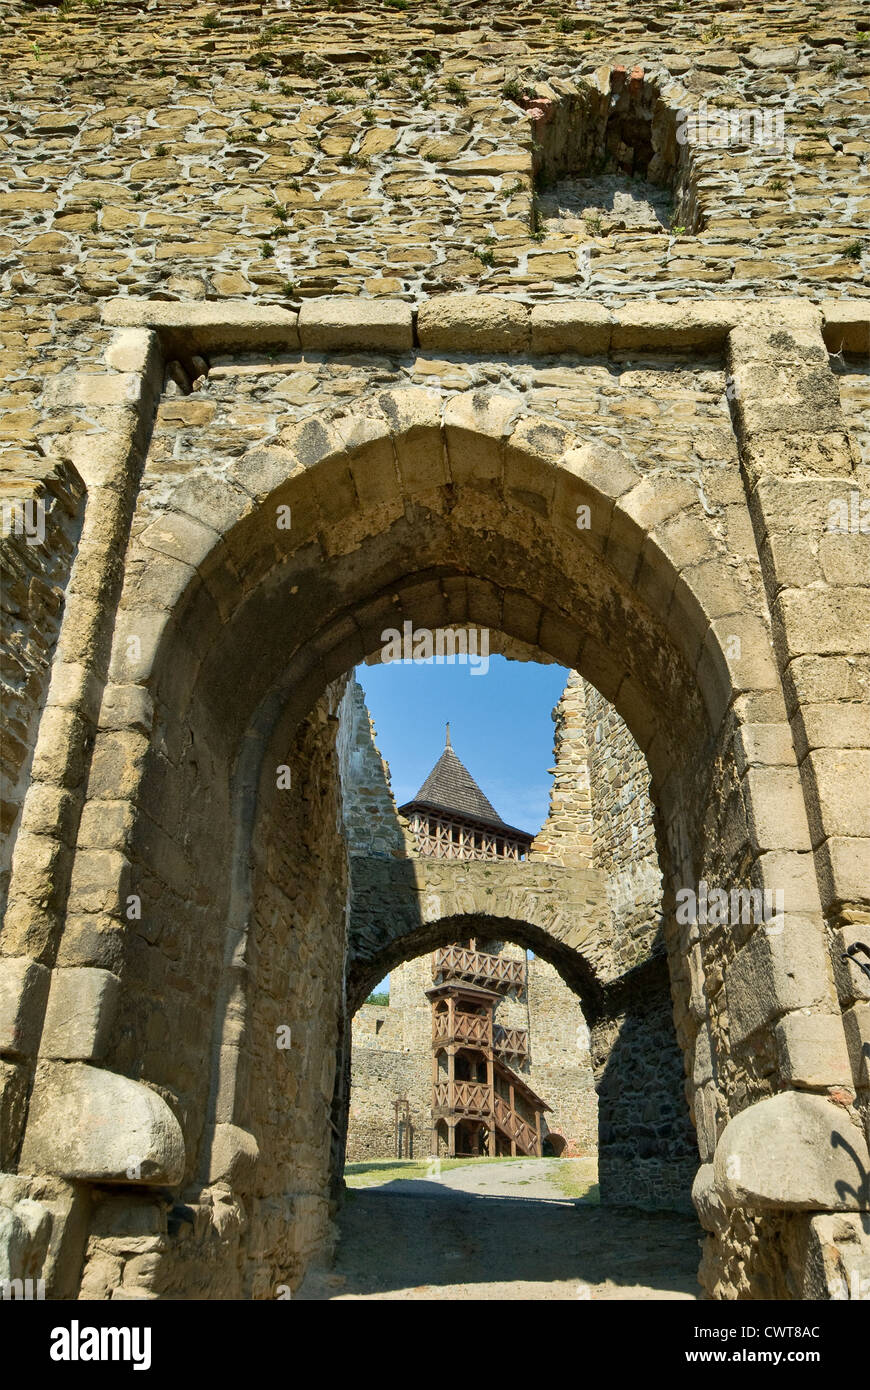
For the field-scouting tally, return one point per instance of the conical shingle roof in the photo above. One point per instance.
(451, 787)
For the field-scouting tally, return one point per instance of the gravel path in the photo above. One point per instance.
(503, 1231)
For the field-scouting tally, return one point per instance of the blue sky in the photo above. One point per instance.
(500, 727)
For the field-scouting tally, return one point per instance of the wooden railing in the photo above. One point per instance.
(516, 1128)
(474, 1099)
(511, 1042)
(447, 839)
(467, 1028)
(457, 962)
(470, 1097)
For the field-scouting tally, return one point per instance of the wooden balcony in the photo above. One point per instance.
(478, 968)
(511, 1042)
(470, 1029)
(471, 1099)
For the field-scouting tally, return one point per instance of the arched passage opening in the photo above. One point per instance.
(222, 743)
(555, 1145)
(623, 1030)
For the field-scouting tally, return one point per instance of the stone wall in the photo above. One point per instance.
(601, 814)
(219, 174)
(280, 155)
(567, 835)
(371, 823)
(392, 1059)
(257, 1208)
(40, 521)
(625, 842)
(560, 1068)
(648, 1153)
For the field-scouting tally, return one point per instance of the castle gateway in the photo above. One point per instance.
(317, 323)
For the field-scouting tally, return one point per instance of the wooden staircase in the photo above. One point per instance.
(485, 1105)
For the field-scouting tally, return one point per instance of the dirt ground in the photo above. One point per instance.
(506, 1230)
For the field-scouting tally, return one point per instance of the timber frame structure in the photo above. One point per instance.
(481, 1103)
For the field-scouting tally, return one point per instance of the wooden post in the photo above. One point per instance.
(433, 1145)
(513, 1113)
(490, 1079)
(540, 1152)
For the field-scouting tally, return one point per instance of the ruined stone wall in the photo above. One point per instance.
(40, 521)
(625, 844)
(601, 813)
(567, 835)
(371, 821)
(559, 1066)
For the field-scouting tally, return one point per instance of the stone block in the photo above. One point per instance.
(234, 1156)
(847, 325)
(117, 763)
(838, 798)
(776, 808)
(415, 421)
(130, 350)
(180, 536)
(576, 326)
(80, 1013)
(856, 1025)
(776, 974)
(91, 1125)
(345, 324)
(476, 426)
(473, 323)
(23, 991)
(101, 459)
(672, 326)
(137, 639)
(844, 870)
(827, 622)
(25, 1228)
(206, 327)
(812, 1050)
(712, 1212)
(793, 1151)
(87, 389)
(126, 707)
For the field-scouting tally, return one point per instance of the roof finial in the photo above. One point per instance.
(447, 741)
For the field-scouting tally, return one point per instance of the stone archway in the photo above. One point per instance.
(229, 637)
(554, 1144)
(646, 1153)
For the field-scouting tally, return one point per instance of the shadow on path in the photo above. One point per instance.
(418, 1239)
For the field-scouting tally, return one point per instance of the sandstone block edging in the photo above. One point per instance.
(469, 322)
